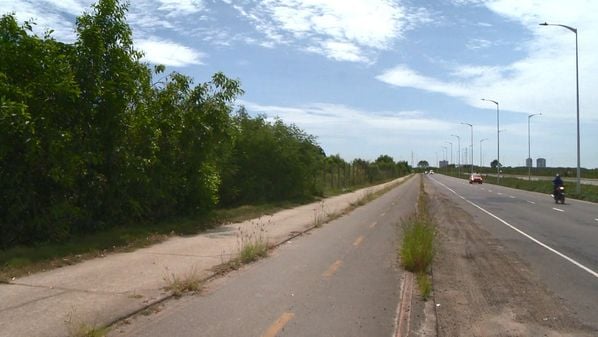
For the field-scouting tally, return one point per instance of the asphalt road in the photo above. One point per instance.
(558, 242)
(339, 280)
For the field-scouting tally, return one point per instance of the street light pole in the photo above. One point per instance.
(574, 30)
(471, 151)
(451, 150)
(481, 140)
(459, 152)
(497, 139)
(529, 156)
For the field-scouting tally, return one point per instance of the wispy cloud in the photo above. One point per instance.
(403, 76)
(168, 53)
(475, 44)
(180, 7)
(382, 129)
(341, 30)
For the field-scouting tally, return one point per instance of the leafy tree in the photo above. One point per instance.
(269, 161)
(423, 164)
(37, 100)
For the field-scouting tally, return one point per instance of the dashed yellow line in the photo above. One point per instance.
(358, 241)
(332, 269)
(279, 324)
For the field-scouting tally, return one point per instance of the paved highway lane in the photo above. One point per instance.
(339, 280)
(559, 242)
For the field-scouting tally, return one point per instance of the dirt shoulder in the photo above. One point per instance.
(483, 289)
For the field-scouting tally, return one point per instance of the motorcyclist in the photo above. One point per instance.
(556, 183)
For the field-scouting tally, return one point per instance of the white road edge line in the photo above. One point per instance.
(531, 202)
(558, 209)
(590, 271)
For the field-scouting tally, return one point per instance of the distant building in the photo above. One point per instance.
(529, 162)
(443, 163)
(541, 162)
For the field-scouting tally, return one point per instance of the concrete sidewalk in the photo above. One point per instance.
(101, 291)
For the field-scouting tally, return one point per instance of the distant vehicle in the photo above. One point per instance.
(476, 178)
(431, 172)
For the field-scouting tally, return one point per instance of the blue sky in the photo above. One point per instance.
(370, 77)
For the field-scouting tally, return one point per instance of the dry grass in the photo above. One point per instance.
(77, 328)
(178, 285)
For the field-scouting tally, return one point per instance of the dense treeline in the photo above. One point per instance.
(92, 137)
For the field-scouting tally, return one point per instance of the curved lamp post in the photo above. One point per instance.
(481, 140)
(458, 152)
(451, 159)
(574, 30)
(529, 156)
(497, 139)
(471, 151)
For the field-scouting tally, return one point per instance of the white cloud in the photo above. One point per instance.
(180, 7)
(370, 133)
(72, 7)
(353, 30)
(403, 76)
(329, 116)
(168, 53)
(45, 17)
(475, 44)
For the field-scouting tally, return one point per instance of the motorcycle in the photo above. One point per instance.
(559, 195)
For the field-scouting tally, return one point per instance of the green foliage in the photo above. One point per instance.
(90, 141)
(86, 141)
(417, 248)
(269, 161)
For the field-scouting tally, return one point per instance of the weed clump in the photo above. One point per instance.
(417, 249)
(192, 282)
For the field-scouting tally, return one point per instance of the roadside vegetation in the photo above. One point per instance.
(100, 151)
(78, 328)
(191, 282)
(417, 248)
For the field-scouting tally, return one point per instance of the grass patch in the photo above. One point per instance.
(178, 285)
(320, 215)
(425, 285)
(252, 244)
(85, 330)
(253, 251)
(77, 328)
(417, 248)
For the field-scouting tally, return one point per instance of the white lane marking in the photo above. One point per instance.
(540, 243)
(499, 193)
(490, 191)
(531, 202)
(596, 219)
(558, 209)
(512, 197)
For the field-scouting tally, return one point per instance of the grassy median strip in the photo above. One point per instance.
(417, 248)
